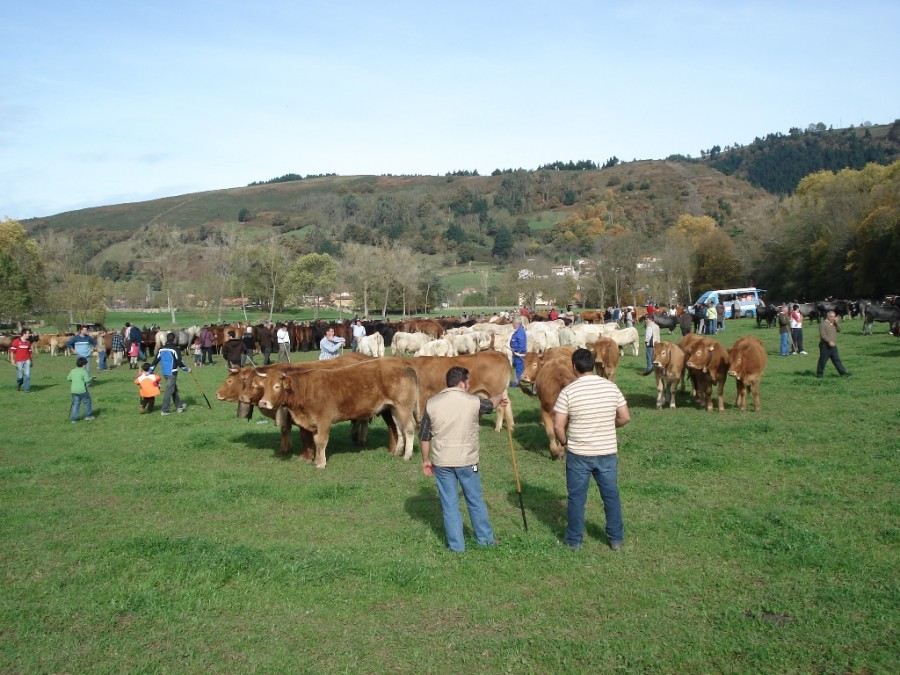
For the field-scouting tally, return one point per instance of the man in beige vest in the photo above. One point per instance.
(449, 437)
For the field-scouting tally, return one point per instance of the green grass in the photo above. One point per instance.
(755, 542)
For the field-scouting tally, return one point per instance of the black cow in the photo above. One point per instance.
(767, 313)
(839, 307)
(872, 314)
(807, 310)
(669, 321)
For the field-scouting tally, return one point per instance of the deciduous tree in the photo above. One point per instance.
(22, 279)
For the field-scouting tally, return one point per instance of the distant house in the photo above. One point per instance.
(564, 270)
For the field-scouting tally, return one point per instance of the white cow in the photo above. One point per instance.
(408, 343)
(463, 343)
(587, 334)
(505, 329)
(372, 345)
(439, 347)
(624, 337)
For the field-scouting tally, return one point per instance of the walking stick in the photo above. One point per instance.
(512, 453)
(197, 382)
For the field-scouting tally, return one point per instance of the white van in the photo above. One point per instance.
(746, 298)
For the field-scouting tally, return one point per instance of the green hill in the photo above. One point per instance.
(459, 216)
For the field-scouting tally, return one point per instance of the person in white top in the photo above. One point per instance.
(284, 344)
(359, 332)
(797, 329)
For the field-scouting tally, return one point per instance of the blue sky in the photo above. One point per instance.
(111, 102)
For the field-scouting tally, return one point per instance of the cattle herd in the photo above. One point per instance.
(887, 311)
(358, 386)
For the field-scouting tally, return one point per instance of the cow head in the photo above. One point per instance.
(231, 389)
(276, 391)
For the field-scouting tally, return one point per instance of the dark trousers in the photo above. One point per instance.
(207, 355)
(267, 353)
(826, 353)
(148, 403)
(171, 392)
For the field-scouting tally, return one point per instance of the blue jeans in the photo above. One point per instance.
(604, 470)
(101, 359)
(470, 480)
(785, 344)
(77, 400)
(650, 351)
(23, 374)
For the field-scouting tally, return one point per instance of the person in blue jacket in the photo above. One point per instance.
(169, 357)
(83, 346)
(518, 344)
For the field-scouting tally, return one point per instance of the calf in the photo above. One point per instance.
(709, 363)
(318, 398)
(668, 365)
(748, 362)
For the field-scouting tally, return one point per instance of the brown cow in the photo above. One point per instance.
(318, 398)
(534, 361)
(488, 376)
(709, 362)
(748, 362)
(591, 316)
(687, 346)
(554, 375)
(606, 358)
(668, 365)
(246, 386)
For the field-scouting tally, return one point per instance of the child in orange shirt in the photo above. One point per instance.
(149, 386)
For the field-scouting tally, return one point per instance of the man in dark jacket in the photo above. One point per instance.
(686, 322)
(233, 350)
(266, 339)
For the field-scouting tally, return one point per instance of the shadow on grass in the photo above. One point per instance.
(425, 506)
(549, 507)
(339, 440)
(541, 504)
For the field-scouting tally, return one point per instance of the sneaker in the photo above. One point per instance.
(18, 386)
(804, 353)
(181, 408)
(846, 374)
(615, 546)
(89, 419)
(164, 413)
(73, 421)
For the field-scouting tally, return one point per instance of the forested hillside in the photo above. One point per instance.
(778, 162)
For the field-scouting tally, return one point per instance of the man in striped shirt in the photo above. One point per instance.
(585, 419)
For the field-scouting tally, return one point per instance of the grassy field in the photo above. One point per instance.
(755, 542)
